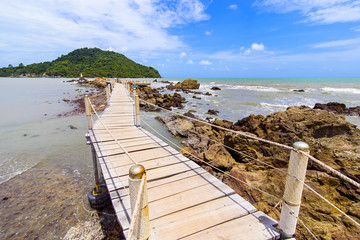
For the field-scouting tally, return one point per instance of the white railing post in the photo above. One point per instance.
(108, 91)
(293, 190)
(88, 111)
(137, 111)
(141, 230)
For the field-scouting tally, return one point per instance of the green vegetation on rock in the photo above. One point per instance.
(91, 62)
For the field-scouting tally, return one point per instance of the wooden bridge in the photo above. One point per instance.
(185, 201)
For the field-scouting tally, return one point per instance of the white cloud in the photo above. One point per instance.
(205, 62)
(64, 25)
(319, 11)
(233, 6)
(207, 33)
(338, 43)
(355, 29)
(257, 47)
(247, 52)
(183, 54)
(190, 62)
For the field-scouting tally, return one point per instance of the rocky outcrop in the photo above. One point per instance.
(331, 138)
(184, 85)
(339, 108)
(153, 96)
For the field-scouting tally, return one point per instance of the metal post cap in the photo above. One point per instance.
(136, 171)
(301, 146)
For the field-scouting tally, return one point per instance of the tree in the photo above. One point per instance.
(10, 66)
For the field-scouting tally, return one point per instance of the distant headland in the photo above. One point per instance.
(90, 62)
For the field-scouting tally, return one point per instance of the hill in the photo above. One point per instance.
(91, 62)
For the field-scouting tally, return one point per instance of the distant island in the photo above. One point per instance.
(90, 62)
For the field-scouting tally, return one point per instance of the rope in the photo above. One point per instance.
(225, 129)
(244, 154)
(136, 209)
(327, 201)
(112, 136)
(302, 223)
(212, 166)
(282, 171)
(335, 172)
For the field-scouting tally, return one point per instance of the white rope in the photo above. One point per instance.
(222, 128)
(136, 209)
(112, 136)
(244, 154)
(302, 223)
(218, 169)
(335, 172)
(330, 203)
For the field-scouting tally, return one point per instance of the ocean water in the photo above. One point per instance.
(33, 136)
(240, 97)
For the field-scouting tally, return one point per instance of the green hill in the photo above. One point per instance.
(91, 62)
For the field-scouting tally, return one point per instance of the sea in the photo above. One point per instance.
(43, 150)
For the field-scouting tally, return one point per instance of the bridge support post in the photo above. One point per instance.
(137, 110)
(88, 112)
(108, 91)
(293, 190)
(141, 229)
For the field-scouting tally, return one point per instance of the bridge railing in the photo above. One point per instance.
(299, 156)
(295, 182)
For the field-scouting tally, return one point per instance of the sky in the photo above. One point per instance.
(192, 38)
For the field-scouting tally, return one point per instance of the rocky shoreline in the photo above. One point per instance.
(331, 138)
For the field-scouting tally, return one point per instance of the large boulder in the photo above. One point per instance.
(219, 157)
(187, 84)
(178, 126)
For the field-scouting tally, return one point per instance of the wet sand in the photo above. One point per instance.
(45, 201)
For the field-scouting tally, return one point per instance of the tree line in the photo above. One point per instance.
(91, 62)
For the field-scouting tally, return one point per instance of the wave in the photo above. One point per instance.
(341, 90)
(269, 105)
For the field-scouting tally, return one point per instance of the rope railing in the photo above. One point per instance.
(136, 210)
(328, 168)
(229, 175)
(109, 132)
(136, 221)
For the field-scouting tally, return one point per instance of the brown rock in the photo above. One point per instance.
(219, 157)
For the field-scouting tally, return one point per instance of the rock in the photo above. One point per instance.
(176, 125)
(189, 114)
(153, 96)
(298, 90)
(222, 123)
(219, 157)
(212, 112)
(339, 108)
(186, 84)
(99, 82)
(196, 97)
(207, 94)
(216, 88)
(72, 127)
(155, 80)
(86, 231)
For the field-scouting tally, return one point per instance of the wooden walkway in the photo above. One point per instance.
(185, 201)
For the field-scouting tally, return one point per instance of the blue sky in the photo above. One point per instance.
(192, 38)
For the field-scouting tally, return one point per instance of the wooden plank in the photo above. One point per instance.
(250, 227)
(185, 201)
(198, 218)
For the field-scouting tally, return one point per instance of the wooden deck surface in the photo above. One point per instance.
(185, 201)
